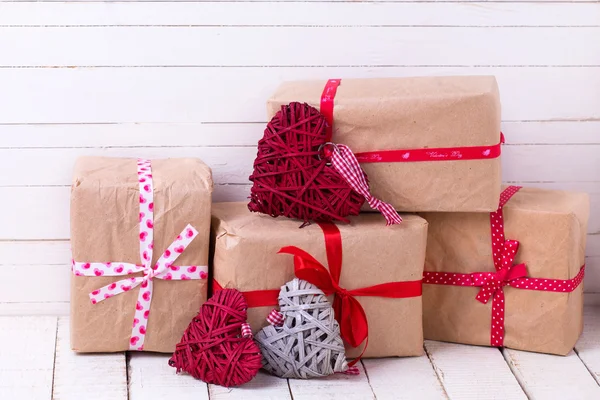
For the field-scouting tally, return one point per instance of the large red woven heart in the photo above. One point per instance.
(292, 178)
(212, 348)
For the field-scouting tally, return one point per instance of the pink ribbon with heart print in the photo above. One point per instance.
(163, 269)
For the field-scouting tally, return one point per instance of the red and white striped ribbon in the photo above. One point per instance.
(353, 370)
(246, 330)
(344, 161)
(275, 318)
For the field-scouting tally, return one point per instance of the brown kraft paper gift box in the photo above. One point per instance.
(372, 115)
(551, 227)
(246, 246)
(105, 227)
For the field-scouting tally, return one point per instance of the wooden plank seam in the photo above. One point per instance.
(436, 369)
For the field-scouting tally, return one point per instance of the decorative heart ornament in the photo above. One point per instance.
(292, 176)
(307, 344)
(217, 346)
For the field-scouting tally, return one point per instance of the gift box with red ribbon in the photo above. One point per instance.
(140, 240)
(425, 143)
(511, 278)
(371, 273)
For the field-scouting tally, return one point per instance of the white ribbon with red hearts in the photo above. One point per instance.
(163, 269)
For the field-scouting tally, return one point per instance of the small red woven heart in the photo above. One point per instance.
(291, 178)
(212, 348)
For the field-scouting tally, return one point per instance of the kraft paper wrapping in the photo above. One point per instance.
(105, 228)
(551, 228)
(245, 258)
(409, 113)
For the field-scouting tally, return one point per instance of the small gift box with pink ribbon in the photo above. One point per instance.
(511, 278)
(371, 273)
(140, 241)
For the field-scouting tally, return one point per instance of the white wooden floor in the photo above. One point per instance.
(36, 363)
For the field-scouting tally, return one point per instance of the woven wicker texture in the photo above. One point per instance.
(212, 348)
(291, 178)
(308, 345)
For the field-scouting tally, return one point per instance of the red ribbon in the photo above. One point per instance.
(255, 298)
(349, 313)
(406, 155)
(492, 283)
(327, 98)
(433, 154)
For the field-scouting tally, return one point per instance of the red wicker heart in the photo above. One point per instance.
(291, 178)
(212, 348)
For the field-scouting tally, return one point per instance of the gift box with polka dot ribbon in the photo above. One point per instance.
(511, 278)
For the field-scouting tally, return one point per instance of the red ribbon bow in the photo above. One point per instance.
(509, 272)
(347, 308)
(349, 313)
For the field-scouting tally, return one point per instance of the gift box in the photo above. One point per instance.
(364, 266)
(510, 278)
(140, 233)
(426, 143)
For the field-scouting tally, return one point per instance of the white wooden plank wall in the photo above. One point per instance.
(158, 79)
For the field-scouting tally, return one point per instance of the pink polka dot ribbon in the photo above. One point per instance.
(162, 269)
(507, 274)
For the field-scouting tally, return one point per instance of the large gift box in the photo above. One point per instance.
(510, 278)
(140, 233)
(426, 143)
(362, 254)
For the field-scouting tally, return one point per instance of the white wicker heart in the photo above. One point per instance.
(308, 344)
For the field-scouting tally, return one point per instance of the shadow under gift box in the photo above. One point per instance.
(105, 218)
(245, 247)
(377, 114)
(551, 228)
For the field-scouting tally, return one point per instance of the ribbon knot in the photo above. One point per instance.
(373, 202)
(149, 274)
(495, 281)
(341, 292)
(501, 276)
